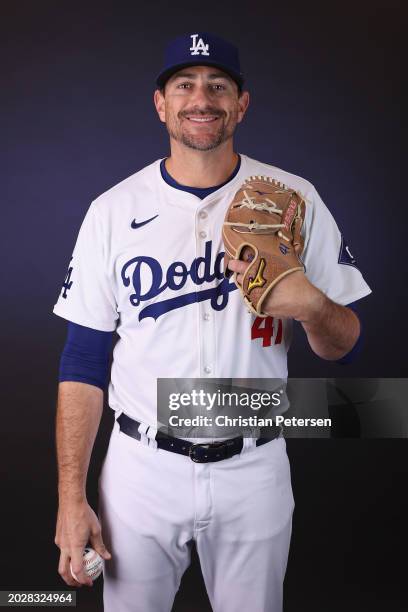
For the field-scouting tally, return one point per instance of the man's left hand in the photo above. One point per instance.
(293, 297)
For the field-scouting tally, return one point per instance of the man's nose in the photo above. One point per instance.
(201, 95)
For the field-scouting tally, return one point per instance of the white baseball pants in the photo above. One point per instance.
(154, 503)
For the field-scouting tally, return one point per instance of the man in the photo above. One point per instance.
(148, 264)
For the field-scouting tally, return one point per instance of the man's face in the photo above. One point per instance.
(201, 107)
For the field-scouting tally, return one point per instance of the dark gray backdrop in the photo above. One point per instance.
(77, 117)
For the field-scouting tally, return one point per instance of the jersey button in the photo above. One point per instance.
(203, 214)
(207, 369)
(203, 234)
(206, 317)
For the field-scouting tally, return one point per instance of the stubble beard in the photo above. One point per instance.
(202, 143)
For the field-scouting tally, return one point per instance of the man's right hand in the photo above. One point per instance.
(77, 524)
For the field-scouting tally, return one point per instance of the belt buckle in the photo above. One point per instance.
(204, 445)
(192, 449)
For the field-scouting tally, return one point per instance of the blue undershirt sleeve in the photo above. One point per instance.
(85, 357)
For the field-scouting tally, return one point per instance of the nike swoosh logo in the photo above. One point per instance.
(135, 225)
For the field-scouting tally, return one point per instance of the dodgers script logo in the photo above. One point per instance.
(199, 48)
(175, 278)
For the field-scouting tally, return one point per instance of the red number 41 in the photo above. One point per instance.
(263, 328)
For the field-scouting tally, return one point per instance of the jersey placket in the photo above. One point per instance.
(206, 323)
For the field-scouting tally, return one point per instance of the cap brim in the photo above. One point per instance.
(166, 74)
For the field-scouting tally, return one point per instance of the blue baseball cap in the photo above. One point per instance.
(200, 49)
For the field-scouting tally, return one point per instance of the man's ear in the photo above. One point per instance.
(158, 99)
(243, 103)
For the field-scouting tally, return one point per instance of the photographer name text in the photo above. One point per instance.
(252, 421)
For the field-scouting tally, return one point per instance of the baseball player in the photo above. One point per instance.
(148, 264)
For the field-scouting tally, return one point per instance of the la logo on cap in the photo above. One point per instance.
(198, 48)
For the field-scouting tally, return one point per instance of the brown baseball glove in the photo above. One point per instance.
(262, 226)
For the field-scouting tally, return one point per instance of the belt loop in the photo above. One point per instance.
(151, 434)
(147, 435)
(142, 429)
(250, 436)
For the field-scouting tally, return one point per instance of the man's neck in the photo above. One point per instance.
(201, 168)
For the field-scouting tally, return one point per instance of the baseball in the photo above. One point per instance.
(93, 564)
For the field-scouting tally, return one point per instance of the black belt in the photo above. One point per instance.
(200, 453)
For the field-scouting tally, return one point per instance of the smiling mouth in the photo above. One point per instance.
(202, 119)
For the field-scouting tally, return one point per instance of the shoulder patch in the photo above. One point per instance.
(346, 257)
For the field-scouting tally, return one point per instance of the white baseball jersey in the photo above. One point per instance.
(148, 262)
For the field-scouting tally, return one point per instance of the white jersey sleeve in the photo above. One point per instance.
(329, 263)
(87, 296)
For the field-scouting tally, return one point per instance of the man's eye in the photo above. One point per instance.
(218, 87)
(184, 85)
